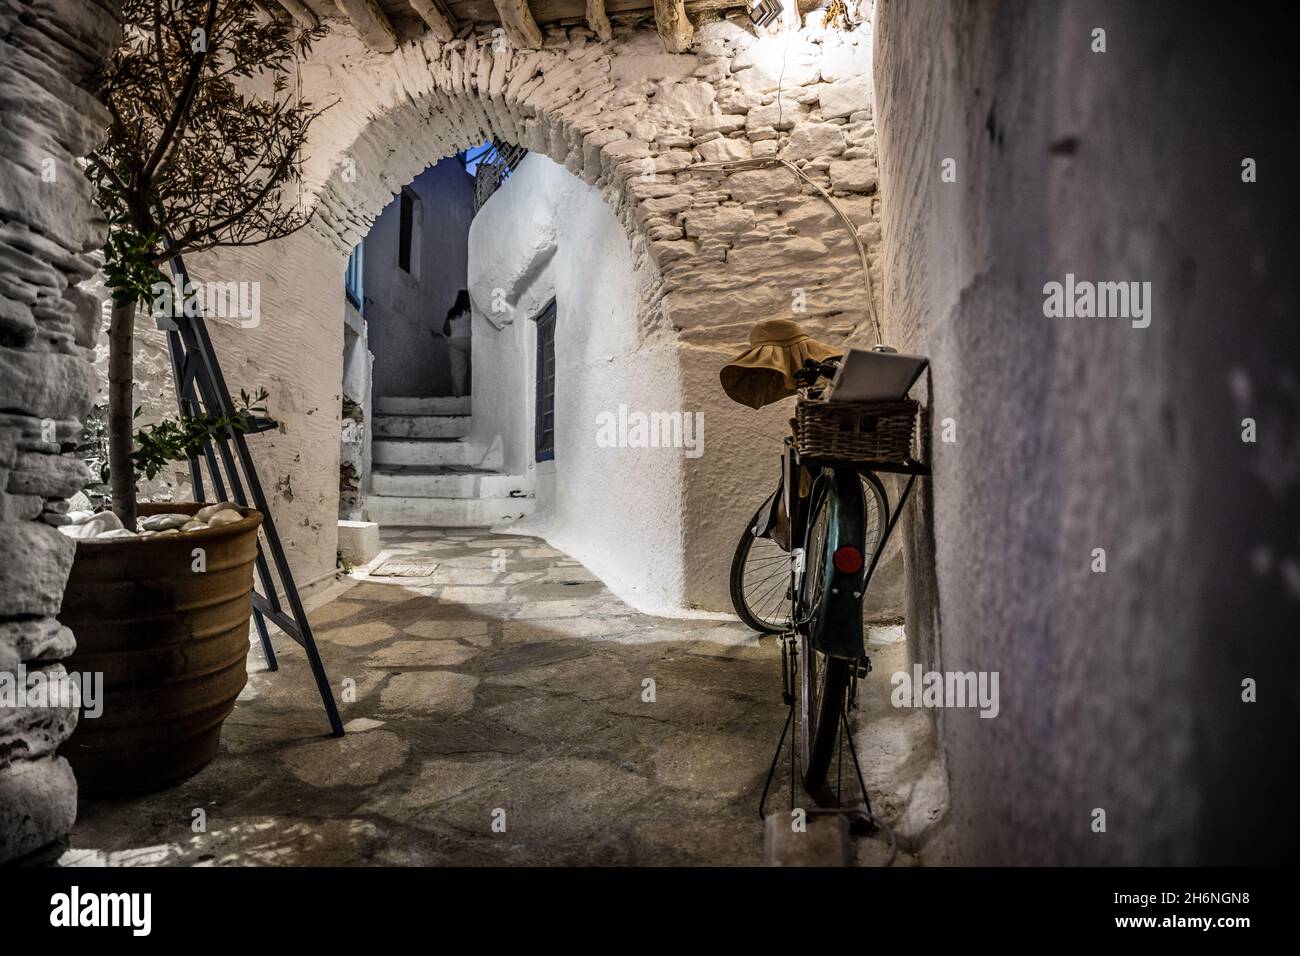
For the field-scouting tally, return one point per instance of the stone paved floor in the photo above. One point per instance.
(507, 680)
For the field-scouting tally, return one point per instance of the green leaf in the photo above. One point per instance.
(183, 439)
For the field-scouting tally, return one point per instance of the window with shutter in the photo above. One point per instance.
(545, 412)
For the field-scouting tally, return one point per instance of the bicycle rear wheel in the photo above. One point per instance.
(821, 690)
(823, 680)
(760, 580)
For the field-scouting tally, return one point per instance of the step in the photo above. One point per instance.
(413, 481)
(396, 405)
(421, 426)
(358, 541)
(431, 452)
(447, 512)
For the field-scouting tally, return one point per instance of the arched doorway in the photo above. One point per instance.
(710, 253)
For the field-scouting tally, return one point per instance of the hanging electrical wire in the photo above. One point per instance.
(763, 162)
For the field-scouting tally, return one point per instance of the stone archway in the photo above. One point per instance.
(716, 252)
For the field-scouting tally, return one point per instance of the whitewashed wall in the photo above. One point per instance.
(1120, 690)
(546, 234)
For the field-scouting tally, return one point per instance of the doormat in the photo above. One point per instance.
(404, 567)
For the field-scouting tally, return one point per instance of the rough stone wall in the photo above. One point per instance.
(1120, 691)
(628, 118)
(49, 228)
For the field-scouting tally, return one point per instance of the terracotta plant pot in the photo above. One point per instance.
(171, 643)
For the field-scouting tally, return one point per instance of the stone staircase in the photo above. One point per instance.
(425, 474)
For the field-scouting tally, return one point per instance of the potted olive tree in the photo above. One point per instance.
(205, 141)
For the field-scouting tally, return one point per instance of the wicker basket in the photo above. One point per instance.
(856, 431)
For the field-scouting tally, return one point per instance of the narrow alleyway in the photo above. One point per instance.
(508, 679)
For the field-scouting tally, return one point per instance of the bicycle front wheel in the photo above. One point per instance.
(760, 580)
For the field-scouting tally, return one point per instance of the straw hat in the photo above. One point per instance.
(765, 373)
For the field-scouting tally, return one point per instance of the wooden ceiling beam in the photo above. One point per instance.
(372, 23)
(673, 26)
(301, 13)
(598, 20)
(440, 24)
(520, 27)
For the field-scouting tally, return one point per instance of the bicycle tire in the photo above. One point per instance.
(755, 619)
(823, 680)
(820, 736)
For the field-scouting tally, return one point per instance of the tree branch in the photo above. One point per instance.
(181, 111)
(160, 54)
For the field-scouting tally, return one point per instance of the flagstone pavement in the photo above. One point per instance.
(505, 709)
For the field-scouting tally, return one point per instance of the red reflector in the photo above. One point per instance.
(848, 560)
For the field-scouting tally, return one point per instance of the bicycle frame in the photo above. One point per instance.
(841, 594)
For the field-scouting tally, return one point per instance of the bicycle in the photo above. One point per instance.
(804, 562)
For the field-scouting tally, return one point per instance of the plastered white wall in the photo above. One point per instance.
(546, 234)
(298, 462)
(1121, 690)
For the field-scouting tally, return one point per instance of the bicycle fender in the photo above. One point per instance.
(839, 628)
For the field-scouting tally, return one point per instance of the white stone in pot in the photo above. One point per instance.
(93, 526)
(163, 522)
(207, 511)
(224, 518)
